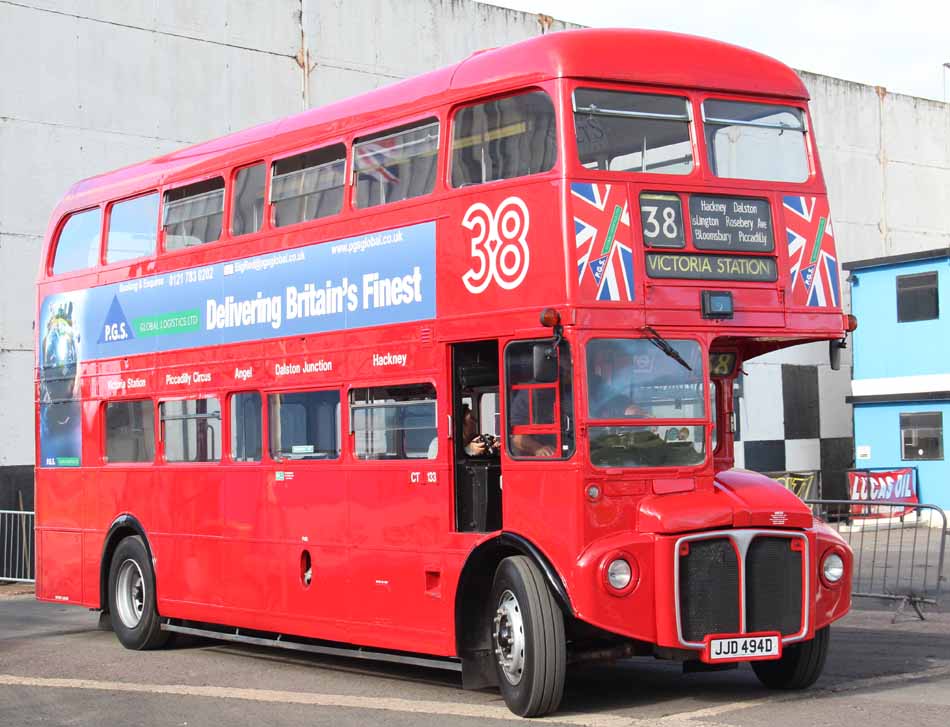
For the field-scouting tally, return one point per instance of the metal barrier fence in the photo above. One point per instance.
(17, 546)
(899, 548)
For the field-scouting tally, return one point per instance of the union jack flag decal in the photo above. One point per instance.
(811, 252)
(603, 251)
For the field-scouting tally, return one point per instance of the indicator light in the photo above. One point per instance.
(550, 317)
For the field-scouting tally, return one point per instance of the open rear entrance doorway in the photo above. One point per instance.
(476, 420)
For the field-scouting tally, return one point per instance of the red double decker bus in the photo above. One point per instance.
(444, 371)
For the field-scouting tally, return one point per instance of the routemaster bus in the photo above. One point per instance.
(443, 373)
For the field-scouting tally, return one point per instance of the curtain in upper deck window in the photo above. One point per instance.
(502, 139)
(396, 165)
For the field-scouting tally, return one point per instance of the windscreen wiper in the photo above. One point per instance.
(657, 340)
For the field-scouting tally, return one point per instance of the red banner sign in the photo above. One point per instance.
(897, 485)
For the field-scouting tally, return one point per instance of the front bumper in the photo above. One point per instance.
(770, 583)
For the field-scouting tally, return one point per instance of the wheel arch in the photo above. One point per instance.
(471, 617)
(122, 527)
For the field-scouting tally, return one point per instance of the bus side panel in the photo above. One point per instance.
(535, 496)
(270, 525)
(92, 542)
(59, 499)
(528, 271)
(399, 521)
(188, 568)
(62, 566)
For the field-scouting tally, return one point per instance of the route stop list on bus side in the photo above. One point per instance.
(731, 223)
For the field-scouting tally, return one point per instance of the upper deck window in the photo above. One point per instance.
(193, 214)
(755, 141)
(247, 200)
(78, 244)
(133, 226)
(505, 138)
(396, 165)
(632, 132)
(308, 186)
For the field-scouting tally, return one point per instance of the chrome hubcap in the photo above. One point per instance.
(130, 594)
(508, 637)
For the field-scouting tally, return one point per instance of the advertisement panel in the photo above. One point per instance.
(377, 279)
(896, 485)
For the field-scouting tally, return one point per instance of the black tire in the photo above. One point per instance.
(800, 665)
(535, 683)
(134, 615)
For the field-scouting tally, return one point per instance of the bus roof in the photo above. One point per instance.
(649, 57)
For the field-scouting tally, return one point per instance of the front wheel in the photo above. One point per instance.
(135, 618)
(527, 639)
(800, 665)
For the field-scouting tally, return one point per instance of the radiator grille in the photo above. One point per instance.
(773, 586)
(709, 589)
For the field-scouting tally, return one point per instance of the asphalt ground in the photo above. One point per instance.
(57, 668)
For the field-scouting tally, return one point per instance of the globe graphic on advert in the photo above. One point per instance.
(60, 356)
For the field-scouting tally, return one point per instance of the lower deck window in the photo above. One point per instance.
(191, 430)
(130, 431)
(394, 422)
(246, 427)
(304, 425)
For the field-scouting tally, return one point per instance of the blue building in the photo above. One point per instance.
(901, 377)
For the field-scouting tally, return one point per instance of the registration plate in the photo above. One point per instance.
(745, 647)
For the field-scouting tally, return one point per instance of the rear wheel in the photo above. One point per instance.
(135, 618)
(527, 639)
(800, 665)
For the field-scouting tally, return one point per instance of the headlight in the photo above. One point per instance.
(619, 574)
(832, 568)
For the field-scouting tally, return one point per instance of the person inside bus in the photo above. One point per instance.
(474, 444)
(609, 402)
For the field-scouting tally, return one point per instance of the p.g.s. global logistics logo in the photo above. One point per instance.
(499, 245)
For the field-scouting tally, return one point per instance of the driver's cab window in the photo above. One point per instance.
(539, 399)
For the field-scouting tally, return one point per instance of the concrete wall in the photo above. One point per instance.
(92, 85)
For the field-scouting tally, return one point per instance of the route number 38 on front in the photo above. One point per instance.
(743, 648)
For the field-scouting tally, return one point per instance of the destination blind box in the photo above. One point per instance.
(717, 304)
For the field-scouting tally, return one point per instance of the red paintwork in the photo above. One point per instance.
(227, 537)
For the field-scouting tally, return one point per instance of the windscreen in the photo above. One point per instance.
(633, 379)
